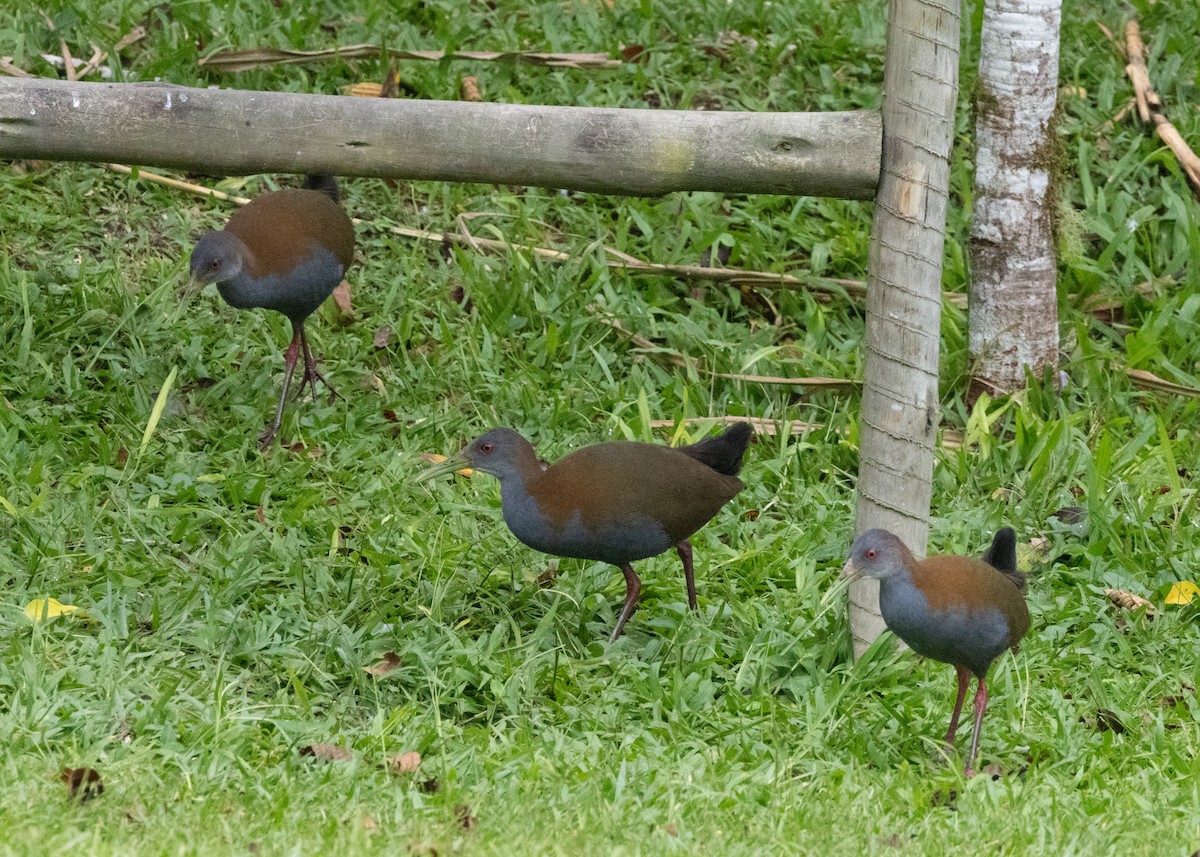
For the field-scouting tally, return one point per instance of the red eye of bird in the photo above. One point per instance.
(214, 264)
(487, 447)
(871, 554)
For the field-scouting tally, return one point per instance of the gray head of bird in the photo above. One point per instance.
(877, 554)
(501, 452)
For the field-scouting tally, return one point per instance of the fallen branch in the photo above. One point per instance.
(1126, 600)
(1149, 105)
(98, 56)
(1188, 159)
(672, 357)
(9, 68)
(1139, 74)
(68, 60)
(1150, 381)
(228, 61)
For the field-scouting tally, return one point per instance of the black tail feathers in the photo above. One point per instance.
(724, 452)
(326, 184)
(1002, 556)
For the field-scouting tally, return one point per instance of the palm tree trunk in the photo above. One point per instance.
(1014, 303)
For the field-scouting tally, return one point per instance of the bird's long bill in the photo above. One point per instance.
(849, 571)
(453, 464)
(186, 294)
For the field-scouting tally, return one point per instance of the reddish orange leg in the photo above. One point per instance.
(981, 701)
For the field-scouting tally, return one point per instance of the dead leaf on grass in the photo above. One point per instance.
(1106, 721)
(327, 752)
(405, 763)
(635, 53)
(1128, 601)
(390, 661)
(83, 784)
(341, 297)
(470, 89)
(299, 449)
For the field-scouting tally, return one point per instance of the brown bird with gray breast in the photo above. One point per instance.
(612, 502)
(956, 609)
(285, 251)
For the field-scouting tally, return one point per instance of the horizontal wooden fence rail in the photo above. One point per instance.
(617, 151)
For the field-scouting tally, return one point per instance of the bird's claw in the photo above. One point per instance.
(311, 377)
(267, 438)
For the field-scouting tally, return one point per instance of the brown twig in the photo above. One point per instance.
(135, 35)
(1188, 159)
(251, 58)
(1150, 381)
(1117, 117)
(1139, 75)
(685, 361)
(1129, 601)
(68, 60)
(672, 357)
(1149, 105)
(178, 184)
(98, 56)
(7, 66)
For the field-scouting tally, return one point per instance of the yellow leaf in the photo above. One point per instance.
(364, 89)
(434, 458)
(1183, 592)
(40, 609)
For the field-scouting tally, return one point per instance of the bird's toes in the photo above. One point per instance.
(312, 376)
(267, 437)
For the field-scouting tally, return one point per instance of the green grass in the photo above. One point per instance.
(217, 645)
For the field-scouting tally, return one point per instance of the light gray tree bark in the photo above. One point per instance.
(1014, 303)
(900, 406)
